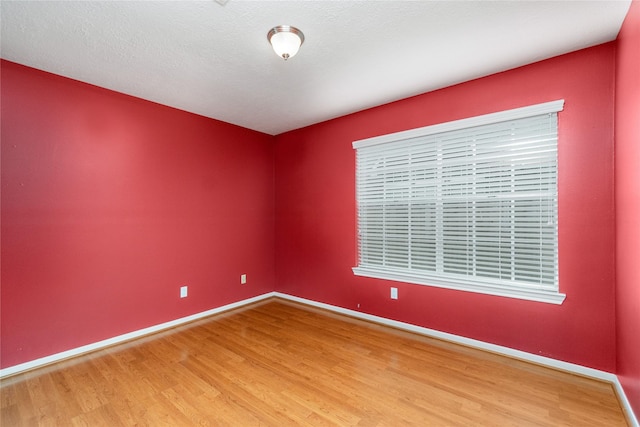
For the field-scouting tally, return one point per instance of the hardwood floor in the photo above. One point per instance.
(276, 363)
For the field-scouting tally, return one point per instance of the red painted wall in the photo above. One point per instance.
(627, 179)
(316, 213)
(111, 203)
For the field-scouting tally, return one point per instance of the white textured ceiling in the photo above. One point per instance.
(213, 58)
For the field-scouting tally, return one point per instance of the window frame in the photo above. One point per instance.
(518, 290)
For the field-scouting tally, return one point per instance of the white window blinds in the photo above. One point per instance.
(469, 205)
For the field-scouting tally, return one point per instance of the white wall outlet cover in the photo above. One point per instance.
(394, 293)
(243, 279)
(183, 291)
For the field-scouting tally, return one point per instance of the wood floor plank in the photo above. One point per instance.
(278, 363)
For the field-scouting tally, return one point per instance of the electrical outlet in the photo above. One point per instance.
(184, 291)
(243, 279)
(394, 293)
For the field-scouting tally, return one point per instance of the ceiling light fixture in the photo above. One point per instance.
(285, 40)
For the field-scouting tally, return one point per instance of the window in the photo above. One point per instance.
(469, 205)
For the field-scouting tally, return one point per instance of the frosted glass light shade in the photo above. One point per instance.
(285, 40)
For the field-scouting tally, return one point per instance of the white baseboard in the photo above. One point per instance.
(516, 354)
(74, 352)
(631, 416)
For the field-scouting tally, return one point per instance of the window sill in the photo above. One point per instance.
(530, 294)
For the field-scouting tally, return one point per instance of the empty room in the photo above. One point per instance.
(346, 213)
